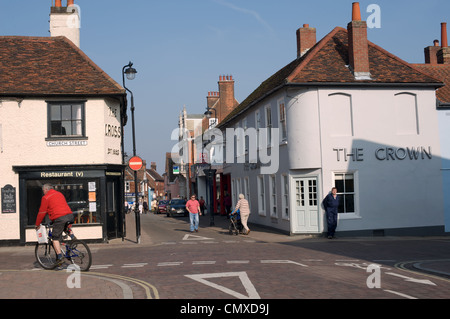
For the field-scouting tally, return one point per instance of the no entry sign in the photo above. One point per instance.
(135, 163)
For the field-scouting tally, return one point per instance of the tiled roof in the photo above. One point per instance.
(155, 175)
(326, 63)
(442, 72)
(50, 66)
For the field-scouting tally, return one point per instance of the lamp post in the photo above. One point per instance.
(130, 72)
(210, 173)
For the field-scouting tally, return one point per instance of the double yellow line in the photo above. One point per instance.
(150, 291)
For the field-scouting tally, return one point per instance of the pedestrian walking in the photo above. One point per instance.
(193, 207)
(227, 204)
(331, 204)
(202, 205)
(244, 209)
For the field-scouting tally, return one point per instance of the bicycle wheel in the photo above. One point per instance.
(45, 256)
(80, 254)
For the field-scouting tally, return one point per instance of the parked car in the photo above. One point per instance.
(176, 207)
(162, 206)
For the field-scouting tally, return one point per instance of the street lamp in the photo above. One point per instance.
(130, 72)
(208, 114)
(210, 173)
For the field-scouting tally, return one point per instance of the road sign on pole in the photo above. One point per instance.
(135, 163)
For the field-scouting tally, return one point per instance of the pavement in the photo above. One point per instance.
(18, 281)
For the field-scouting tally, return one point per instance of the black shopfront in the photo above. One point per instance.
(93, 192)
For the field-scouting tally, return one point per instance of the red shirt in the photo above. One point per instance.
(54, 204)
(192, 205)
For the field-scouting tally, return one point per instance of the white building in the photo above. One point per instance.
(349, 114)
(61, 122)
(437, 64)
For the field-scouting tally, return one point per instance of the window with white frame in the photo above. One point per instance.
(269, 125)
(345, 184)
(273, 196)
(246, 138)
(247, 191)
(257, 127)
(282, 119)
(66, 120)
(285, 195)
(261, 196)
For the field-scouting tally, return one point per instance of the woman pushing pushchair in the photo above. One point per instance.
(244, 211)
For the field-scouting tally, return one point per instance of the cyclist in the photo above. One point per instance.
(54, 204)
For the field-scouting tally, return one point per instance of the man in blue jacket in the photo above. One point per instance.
(331, 204)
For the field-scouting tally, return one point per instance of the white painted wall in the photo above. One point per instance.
(23, 143)
(391, 193)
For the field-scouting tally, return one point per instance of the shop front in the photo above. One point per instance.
(93, 192)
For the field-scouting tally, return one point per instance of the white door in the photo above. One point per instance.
(305, 210)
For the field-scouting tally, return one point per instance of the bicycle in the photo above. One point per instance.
(76, 251)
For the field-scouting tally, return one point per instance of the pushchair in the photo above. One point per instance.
(235, 223)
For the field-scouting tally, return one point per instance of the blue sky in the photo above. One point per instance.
(180, 47)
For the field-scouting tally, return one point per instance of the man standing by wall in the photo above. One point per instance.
(331, 204)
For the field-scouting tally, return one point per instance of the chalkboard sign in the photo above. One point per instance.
(8, 199)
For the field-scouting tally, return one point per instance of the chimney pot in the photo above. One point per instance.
(443, 55)
(58, 3)
(444, 39)
(356, 12)
(70, 3)
(436, 43)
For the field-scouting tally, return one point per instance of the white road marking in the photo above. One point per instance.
(238, 261)
(212, 262)
(138, 265)
(281, 262)
(400, 294)
(101, 266)
(418, 281)
(172, 263)
(249, 288)
(195, 237)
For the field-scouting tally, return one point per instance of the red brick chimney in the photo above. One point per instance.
(443, 55)
(306, 39)
(223, 101)
(358, 46)
(212, 99)
(431, 53)
(227, 102)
